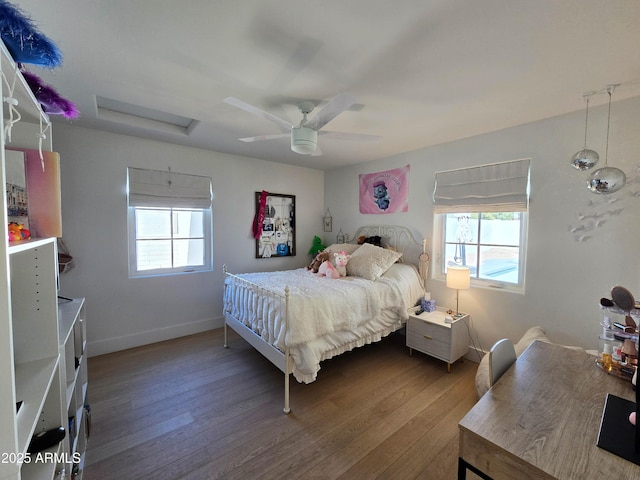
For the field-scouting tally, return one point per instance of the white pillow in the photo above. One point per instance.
(342, 247)
(370, 261)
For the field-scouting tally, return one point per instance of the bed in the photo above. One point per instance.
(297, 319)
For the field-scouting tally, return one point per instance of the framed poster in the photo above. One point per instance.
(385, 192)
(275, 235)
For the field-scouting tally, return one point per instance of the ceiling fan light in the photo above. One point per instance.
(304, 140)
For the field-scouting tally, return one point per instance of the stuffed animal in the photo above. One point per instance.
(317, 261)
(316, 246)
(341, 259)
(18, 232)
(328, 270)
(373, 240)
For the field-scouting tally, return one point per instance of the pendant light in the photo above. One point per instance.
(585, 158)
(607, 179)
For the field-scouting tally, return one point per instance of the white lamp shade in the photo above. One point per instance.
(458, 278)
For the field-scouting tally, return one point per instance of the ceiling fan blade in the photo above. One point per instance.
(331, 110)
(350, 137)
(256, 111)
(258, 138)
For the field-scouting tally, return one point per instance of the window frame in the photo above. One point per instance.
(207, 220)
(439, 255)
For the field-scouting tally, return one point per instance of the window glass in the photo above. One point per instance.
(490, 244)
(169, 240)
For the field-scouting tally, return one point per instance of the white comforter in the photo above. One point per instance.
(326, 316)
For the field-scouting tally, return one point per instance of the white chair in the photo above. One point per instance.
(501, 357)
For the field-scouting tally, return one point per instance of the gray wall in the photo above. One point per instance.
(565, 278)
(125, 312)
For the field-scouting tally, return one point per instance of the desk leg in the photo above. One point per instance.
(462, 470)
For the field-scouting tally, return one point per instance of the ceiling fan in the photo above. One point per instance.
(304, 137)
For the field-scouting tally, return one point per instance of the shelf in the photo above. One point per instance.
(68, 312)
(634, 313)
(33, 381)
(33, 367)
(41, 466)
(25, 245)
(33, 289)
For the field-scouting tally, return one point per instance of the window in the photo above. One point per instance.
(490, 244)
(169, 223)
(481, 223)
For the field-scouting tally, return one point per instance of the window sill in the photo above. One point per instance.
(489, 285)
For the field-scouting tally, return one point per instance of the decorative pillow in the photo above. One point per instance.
(370, 261)
(349, 248)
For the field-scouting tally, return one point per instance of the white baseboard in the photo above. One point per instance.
(474, 354)
(116, 344)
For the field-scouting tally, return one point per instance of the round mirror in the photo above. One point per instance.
(623, 298)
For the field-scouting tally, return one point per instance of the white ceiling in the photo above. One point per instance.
(424, 72)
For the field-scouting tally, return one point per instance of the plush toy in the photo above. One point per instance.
(18, 232)
(316, 246)
(340, 260)
(328, 270)
(317, 261)
(373, 240)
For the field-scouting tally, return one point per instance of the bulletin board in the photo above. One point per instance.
(275, 235)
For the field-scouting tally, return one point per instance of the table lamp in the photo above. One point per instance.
(460, 279)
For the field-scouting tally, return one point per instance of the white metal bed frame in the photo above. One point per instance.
(398, 237)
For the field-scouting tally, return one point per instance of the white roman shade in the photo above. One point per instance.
(165, 189)
(499, 187)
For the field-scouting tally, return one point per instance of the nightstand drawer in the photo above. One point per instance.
(429, 331)
(428, 345)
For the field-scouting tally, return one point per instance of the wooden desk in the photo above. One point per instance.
(541, 420)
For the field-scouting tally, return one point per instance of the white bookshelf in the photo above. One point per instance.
(73, 348)
(33, 353)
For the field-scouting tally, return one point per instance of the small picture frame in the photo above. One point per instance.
(327, 221)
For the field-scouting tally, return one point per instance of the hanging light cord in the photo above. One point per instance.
(586, 123)
(606, 150)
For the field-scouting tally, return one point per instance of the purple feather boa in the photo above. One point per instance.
(52, 103)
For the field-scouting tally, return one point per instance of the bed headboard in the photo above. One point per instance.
(401, 239)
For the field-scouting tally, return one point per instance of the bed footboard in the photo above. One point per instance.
(240, 293)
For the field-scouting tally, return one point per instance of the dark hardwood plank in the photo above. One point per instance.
(190, 409)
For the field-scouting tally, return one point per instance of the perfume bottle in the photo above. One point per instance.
(607, 360)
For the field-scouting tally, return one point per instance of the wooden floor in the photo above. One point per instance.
(191, 409)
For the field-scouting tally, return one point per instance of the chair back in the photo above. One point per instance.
(501, 357)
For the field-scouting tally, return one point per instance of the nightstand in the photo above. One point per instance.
(429, 333)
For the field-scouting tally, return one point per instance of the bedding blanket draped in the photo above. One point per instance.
(326, 316)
